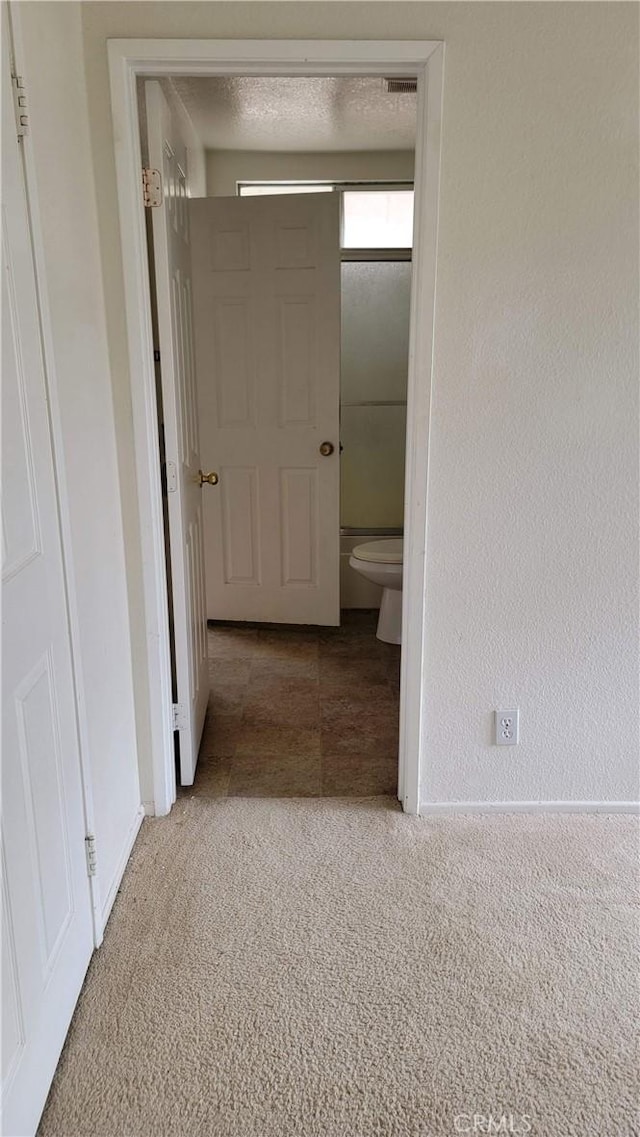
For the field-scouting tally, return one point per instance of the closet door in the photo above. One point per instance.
(47, 937)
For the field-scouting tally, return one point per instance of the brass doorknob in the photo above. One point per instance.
(326, 448)
(211, 479)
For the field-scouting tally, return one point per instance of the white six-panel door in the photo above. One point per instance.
(167, 153)
(47, 936)
(266, 281)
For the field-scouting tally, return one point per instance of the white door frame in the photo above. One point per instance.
(130, 58)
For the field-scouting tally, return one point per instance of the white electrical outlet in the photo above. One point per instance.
(507, 728)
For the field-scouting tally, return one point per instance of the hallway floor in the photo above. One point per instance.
(301, 712)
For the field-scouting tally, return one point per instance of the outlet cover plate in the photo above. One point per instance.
(507, 727)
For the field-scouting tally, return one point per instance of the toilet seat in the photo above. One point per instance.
(387, 552)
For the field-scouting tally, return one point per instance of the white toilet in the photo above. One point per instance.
(381, 563)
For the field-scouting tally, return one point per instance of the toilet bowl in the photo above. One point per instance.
(381, 563)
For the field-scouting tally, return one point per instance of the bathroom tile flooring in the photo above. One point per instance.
(300, 712)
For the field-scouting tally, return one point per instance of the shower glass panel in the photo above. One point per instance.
(375, 350)
(372, 470)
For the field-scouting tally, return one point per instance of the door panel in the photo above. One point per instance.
(234, 362)
(296, 361)
(35, 706)
(240, 546)
(266, 278)
(47, 935)
(298, 527)
(168, 153)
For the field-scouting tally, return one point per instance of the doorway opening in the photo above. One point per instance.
(292, 328)
(258, 306)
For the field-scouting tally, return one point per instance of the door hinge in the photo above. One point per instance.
(20, 104)
(179, 717)
(92, 856)
(151, 188)
(172, 477)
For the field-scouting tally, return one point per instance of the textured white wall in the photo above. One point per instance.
(54, 70)
(532, 581)
(226, 167)
(532, 548)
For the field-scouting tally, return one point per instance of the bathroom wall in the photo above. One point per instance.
(532, 568)
(226, 167)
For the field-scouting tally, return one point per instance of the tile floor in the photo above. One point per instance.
(300, 712)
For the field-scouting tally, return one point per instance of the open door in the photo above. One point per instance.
(266, 280)
(172, 261)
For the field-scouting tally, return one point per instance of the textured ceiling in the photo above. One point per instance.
(236, 113)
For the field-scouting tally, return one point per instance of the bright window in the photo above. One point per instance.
(377, 220)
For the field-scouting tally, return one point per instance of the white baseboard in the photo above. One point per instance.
(122, 864)
(149, 808)
(431, 808)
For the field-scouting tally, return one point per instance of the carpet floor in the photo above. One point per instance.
(332, 968)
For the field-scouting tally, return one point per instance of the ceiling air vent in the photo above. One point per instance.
(400, 86)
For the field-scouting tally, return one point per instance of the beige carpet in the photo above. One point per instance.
(326, 968)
